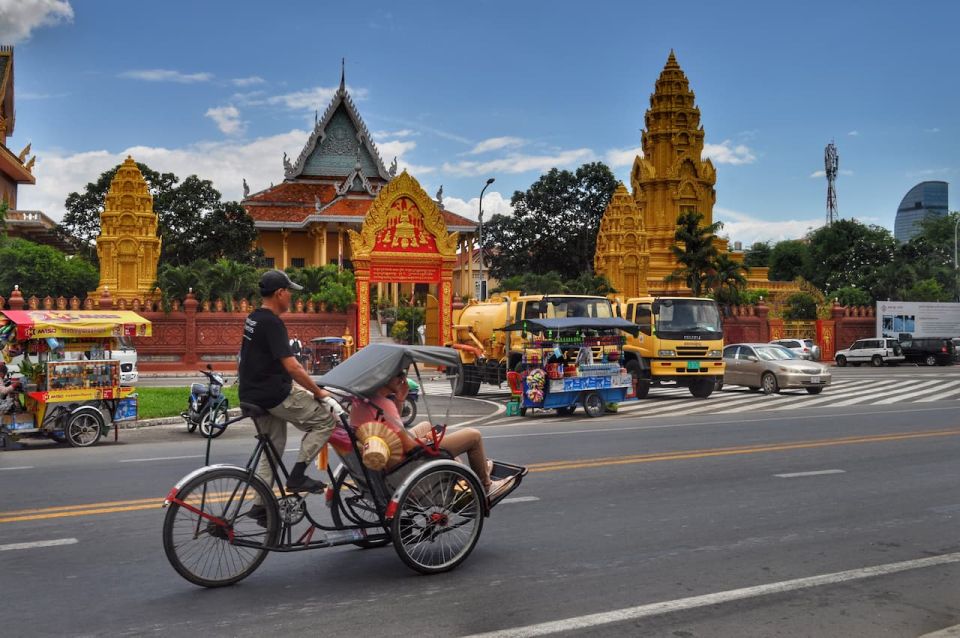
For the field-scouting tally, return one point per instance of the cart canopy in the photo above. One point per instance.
(74, 324)
(377, 363)
(570, 324)
(332, 340)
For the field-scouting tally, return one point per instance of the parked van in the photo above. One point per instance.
(931, 351)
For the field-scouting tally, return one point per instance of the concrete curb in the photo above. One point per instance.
(949, 632)
(166, 420)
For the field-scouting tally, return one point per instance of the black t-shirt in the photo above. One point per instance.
(263, 379)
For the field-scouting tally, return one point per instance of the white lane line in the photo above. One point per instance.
(899, 393)
(813, 473)
(934, 389)
(162, 458)
(943, 396)
(835, 399)
(830, 394)
(519, 499)
(19, 467)
(694, 602)
(52, 543)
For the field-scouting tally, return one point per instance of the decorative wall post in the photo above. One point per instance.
(16, 299)
(762, 312)
(190, 336)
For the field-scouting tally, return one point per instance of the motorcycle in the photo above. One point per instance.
(207, 406)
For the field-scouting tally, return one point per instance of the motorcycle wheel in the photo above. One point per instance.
(218, 416)
(409, 413)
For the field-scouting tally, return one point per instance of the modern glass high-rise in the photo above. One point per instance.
(926, 199)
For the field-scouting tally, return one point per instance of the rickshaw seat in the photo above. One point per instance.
(252, 411)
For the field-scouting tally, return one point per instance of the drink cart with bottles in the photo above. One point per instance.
(67, 389)
(572, 361)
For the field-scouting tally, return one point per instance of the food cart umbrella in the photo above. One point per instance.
(567, 324)
(78, 324)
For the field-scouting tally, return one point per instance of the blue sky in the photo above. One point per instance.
(465, 91)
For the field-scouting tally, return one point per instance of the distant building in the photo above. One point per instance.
(926, 199)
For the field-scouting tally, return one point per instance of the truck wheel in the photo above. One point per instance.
(641, 386)
(593, 405)
(468, 383)
(702, 388)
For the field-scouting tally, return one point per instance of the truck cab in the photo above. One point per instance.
(680, 343)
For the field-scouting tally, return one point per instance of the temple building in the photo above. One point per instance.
(638, 230)
(327, 191)
(128, 245)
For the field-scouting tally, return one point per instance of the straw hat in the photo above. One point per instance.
(381, 443)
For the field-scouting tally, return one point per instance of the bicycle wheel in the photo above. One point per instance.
(438, 519)
(352, 505)
(221, 545)
(217, 416)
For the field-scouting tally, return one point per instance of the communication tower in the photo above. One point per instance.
(831, 162)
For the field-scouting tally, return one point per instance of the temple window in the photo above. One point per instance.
(298, 262)
(269, 261)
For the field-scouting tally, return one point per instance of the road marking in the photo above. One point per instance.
(162, 458)
(694, 602)
(519, 499)
(35, 544)
(940, 389)
(19, 467)
(814, 473)
(873, 395)
(552, 466)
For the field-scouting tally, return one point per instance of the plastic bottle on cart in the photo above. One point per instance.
(344, 536)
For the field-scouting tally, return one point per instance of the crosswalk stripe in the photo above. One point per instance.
(883, 393)
(900, 397)
(831, 397)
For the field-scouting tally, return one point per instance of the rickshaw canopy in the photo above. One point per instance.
(374, 365)
(329, 340)
(568, 324)
(77, 324)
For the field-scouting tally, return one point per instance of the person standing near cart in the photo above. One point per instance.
(267, 374)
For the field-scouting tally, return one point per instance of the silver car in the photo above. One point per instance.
(771, 368)
(803, 348)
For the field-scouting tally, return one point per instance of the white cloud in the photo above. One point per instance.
(398, 148)
(823, 173)
(166, 75)
(726, 152)
(853, 133)
(226, 163)
(227, 119)
(516, 163)
(496, 143)
(18, 18)
(619, 157)
(248, 81)
(748, 229)
(405, 132)
(493, 204)
(313, 98)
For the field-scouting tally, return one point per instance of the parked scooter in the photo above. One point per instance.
(207, 406)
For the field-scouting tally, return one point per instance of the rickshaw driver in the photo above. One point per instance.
(267, 374)
(469, 441)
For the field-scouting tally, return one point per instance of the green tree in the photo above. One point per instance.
(231, 280)
(194, 223)
(848, 253)
(533, 284)
(698, 255)
(927, 290)
(553, 226)
(4, 209)
(850, 296)
(589, 284)
(43, 270)
(800, 305)
(727, 279)
(758, 255)
(788, 260)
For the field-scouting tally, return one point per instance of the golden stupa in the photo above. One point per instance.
(128, 245)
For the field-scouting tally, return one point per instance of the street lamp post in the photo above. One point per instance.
(483, 288)
(956, 224)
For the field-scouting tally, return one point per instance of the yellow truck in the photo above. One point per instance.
(680, 342)
(487, 353)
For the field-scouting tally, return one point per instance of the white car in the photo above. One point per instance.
(876, 352)
(799, 347)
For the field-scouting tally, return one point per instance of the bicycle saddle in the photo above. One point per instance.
(252, 411)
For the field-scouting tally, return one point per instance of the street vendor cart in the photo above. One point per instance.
(572, 361)
(68, 390)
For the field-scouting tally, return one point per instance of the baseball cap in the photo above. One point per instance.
(273, 280)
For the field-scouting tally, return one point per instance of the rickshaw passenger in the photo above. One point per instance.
(267, 374)
(464, 441)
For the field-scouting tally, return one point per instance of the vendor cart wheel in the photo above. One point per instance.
(409, 412)
(567, 410)
(353, 505)
(523, 412)
(594, 405)
(219, 543)
(212, 422)
(84, 428)
(438, 519)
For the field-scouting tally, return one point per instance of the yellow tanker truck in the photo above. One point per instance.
(488, 353)
(680, 342)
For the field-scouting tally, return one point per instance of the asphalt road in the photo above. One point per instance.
(716, 515)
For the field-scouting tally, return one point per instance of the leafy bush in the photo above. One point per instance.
(800, 306)
(851, 296)
(400, 332)
(43, 270)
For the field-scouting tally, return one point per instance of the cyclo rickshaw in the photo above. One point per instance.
(71, 391)
(429, 505)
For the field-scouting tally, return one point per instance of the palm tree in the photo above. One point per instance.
(727, 278)
(230, 280)
(697, 255)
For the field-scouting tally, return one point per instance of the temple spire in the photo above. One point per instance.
(343, 74)
(672, 61)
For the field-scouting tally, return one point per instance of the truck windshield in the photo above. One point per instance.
(683, 318)
(551, 307)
